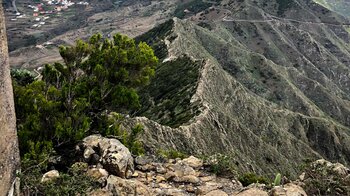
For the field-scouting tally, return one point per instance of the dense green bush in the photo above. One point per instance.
(22, 76)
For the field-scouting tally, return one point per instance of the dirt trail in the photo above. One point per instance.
(283, 20)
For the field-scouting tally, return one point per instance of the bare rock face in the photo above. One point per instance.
(9, 156)
(113, 155)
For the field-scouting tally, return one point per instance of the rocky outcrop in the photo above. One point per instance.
(9, 156)
(155, 175)
(179, 177)
(325, 178)
(111, 153)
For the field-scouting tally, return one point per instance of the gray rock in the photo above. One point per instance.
(142, 160)
(252, 192)
(289, 189)
(113, 155)
(216, 193)
(126, 187)
(100, 192)
(97, 173)
(193, 162)
(51, 175)
(87, 153)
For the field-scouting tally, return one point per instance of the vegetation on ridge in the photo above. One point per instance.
(81, 97)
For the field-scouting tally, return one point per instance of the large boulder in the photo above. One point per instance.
(113, 155)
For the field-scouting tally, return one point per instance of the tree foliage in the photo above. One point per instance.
(74, 98)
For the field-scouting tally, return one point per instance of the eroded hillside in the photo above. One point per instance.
(272, 90)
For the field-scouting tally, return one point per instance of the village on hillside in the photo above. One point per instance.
(40, 12)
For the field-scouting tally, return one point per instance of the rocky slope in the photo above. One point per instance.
(266, 82)
(110, 163)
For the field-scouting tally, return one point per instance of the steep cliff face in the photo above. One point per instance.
(9, 156)
(272, 91)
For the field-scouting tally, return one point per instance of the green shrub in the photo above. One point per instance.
(172, 154)
(74, 98)
(221, 165)
(22, 76)
(250, 178)
(74, 182)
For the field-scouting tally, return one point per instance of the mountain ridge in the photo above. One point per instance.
(266, 82)
(268, 112)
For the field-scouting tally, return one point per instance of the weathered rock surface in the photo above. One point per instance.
(98, 173)
(114, 156)
(9, 155)
(126, 187)
(216, 193)
(101, 192)
(288, 190)
(253, 191)
(193, 162)
(50, 175)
